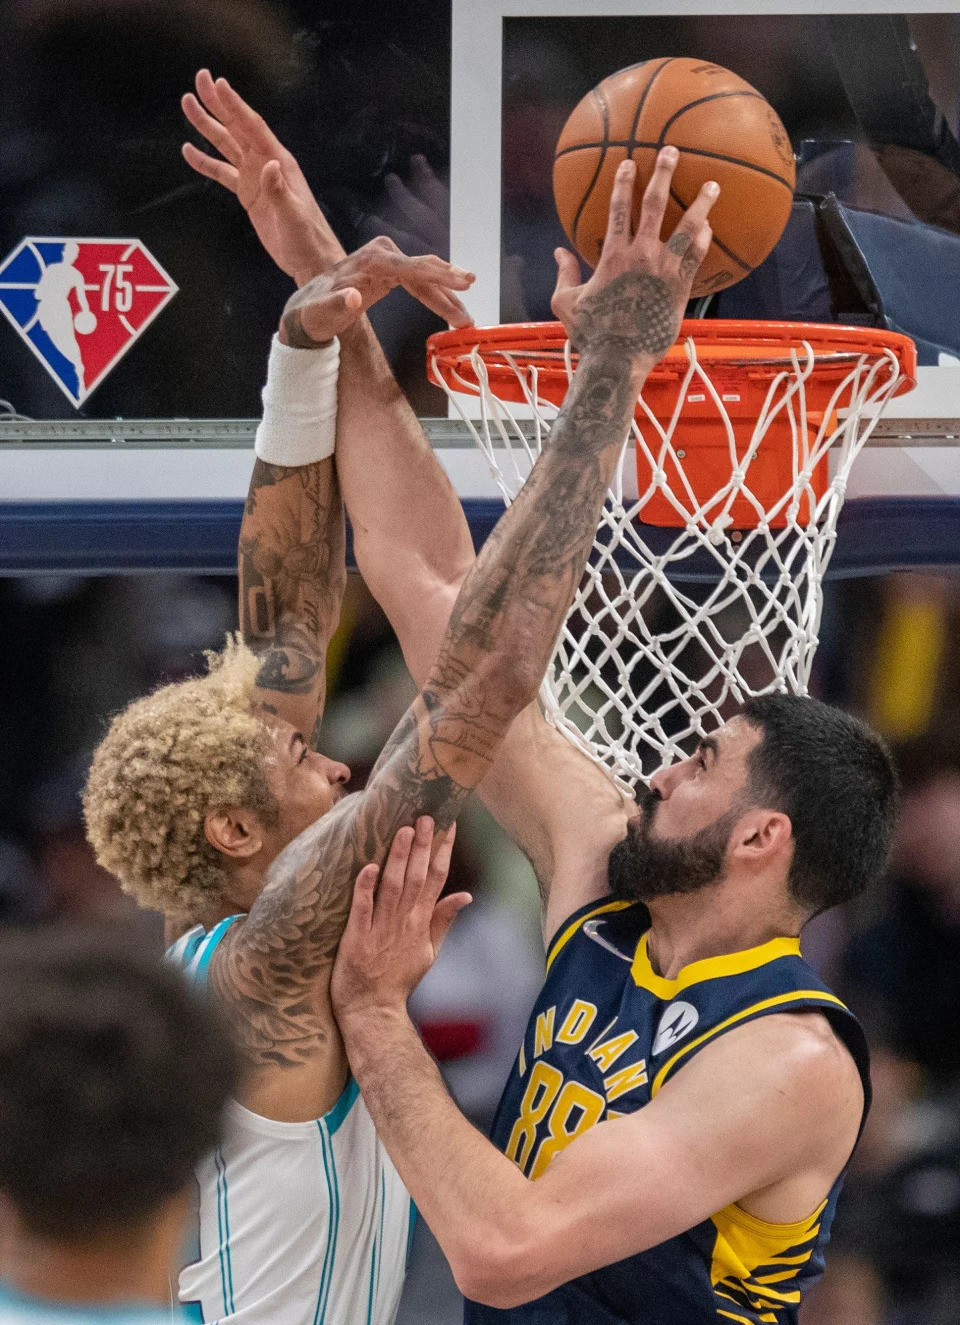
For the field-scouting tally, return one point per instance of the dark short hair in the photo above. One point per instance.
(836, 781)
(113, 1079)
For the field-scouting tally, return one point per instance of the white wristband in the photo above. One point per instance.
(299, 421)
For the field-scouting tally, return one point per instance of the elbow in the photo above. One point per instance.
(499, 1273)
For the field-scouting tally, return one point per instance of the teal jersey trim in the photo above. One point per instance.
(183, 951)
(383, 1208)
(223, 1226)
(206, 948)
(412, 1228)
(335, 1116)
(333, 1203)
(373, 1271)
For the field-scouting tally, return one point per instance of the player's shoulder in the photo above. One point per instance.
(616, 914)
(796, 1052)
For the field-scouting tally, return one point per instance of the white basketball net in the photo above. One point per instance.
(646, 660)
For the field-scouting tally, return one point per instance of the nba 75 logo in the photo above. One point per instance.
(81, 303)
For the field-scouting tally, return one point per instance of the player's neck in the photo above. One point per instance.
(244, 883)
(110, 1271)
(688, 927)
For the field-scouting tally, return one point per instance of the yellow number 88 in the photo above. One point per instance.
(547, 1092)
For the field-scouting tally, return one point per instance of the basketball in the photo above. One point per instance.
(85, 322)
(724, 129)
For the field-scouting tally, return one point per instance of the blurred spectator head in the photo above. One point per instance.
(927, 844)
(113, 1076)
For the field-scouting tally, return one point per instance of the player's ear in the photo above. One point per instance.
(760, 835)
(234, 831)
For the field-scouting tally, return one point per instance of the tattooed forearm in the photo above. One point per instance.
(292, 575)
(501, 633)
(289, 670)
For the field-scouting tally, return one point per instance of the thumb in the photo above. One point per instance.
(275, 188)
(331, 314)
(272, 181)
(444, 914)
(568, 271)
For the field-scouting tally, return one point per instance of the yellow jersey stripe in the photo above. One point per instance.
(800, 1232)
(779, 1000)
(730, 1315)
(766, 1297)
(777, 1278)
(567, 934)
(764, 1316)
(710, 968)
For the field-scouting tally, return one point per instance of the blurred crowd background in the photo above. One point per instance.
(89, 144)
(75, 650)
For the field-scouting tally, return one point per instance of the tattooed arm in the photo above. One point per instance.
(292, 576)
(275, 965)
(292, 571)
(410, 536)
(293, 526)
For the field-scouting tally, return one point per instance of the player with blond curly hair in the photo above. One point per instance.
(209, 799)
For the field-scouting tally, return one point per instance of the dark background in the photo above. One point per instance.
(870, 102)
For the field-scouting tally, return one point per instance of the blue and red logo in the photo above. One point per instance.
(81, 303)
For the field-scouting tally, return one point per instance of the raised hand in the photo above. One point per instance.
(636, 297)
(396, 927)
(264, 176)
(327, 305)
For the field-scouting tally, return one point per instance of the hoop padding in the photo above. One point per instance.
(647, 661)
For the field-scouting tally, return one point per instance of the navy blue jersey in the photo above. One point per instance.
(604, 1036)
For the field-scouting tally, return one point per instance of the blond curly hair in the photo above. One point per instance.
(165, 763)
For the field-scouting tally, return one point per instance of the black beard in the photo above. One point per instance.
(642, 867)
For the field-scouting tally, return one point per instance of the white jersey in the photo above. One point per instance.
(298, 1223)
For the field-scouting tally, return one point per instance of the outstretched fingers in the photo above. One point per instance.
(250, 128)
(418, 863)
(696, 252)
(208, 94)
(441, 852)
(691, 224)
(390, 888)
(657, 194)
(361, 908)
(211, 168)
(438, 269)
(211, 129)
(433, 281)
(619, 231)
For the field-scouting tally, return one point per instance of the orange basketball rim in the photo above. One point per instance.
(709, 411)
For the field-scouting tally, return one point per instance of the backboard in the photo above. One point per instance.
(435, 123)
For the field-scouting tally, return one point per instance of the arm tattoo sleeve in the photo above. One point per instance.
(499, 640)
(292, 576)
